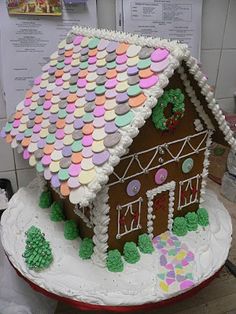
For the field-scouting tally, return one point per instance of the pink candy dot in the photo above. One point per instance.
(81, 83)
(92, 60)
(37, 80)
(87, 140)
(99, 111)
(121, 59)
(70, 108)
(47, 105)
(68, 60)
(46, 160)
(60, 134)
(37, 128)
(26, 154)
(59, 81)
(74, 170)
(111, 83)
(27, 102)
(16, 123)
(77, 40)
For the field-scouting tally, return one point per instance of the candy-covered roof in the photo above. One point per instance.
(83, 111)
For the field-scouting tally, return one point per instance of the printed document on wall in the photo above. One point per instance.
(28, 41)
(172, 19)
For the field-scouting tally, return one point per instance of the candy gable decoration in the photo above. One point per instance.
(119, 126)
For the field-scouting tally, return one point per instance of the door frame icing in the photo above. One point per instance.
(170, 186)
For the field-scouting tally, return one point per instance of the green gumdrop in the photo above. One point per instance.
(203, 217)
(57, 213)
(180, 226)
(192, 221)
(86, 248)
(70, 230)
(145, 244)
(45, 199)
(131, 253)
(114, 261)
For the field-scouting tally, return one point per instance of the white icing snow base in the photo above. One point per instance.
(71, 277)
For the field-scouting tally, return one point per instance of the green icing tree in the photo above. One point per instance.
(45, 200)
(180, 226)
(38, 254)
(57, 213)
(203, 218)
(131, 253)
(70, 230)
(86, 248)
(192, 221)
(114, 261)
(145, 244)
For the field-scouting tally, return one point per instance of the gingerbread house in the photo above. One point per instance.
(120, 128)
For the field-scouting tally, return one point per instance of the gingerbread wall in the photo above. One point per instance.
(150, 137)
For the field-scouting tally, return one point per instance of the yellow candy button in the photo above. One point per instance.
(32, 147)
(76, 55)
(43, 133)
(55, 99)
(53, 62)
(132, 61)
(79, 112)
(91, 77)
(122, 87)
(98, 146)
(35, 97)
(68, 140)
(44, 83)
(80, 102)
(91, 86)
(54, 55)
(62, 44)
(101, 54)
(110, 104)
(69, 128)
(56, 155)
(66, 85)
(101, 62)
(122, 76)
(22, 128)
(87, 164)
(54, 108)
(24, 119)
(75, 62)
(110, 115)
(45, 123)
(99, 134)
(86, 177)
(50, 87)
(33, 105)
(54, 166)
(45, 76)
(32, 161)
(66, 76)
(85, 42)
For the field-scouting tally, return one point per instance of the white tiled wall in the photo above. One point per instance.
(218, 58)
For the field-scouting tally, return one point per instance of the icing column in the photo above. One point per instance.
(101, 222)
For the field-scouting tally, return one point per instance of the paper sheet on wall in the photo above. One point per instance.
(172, 19)
(28, 41)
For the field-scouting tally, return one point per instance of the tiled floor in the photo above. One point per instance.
(218, 298)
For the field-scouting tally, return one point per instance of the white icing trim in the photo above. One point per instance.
(129, 209)
(205, 167)
(194, 100)
(81, 213)
(154, 162)
(188, 186)
(212, 105)
(101, 222)
(198, 125)
(170, 186)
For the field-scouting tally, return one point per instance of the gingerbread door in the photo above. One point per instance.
(160, 208)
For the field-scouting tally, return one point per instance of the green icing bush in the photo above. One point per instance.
(145, 244)
(203, 218)
(45, 200)
(86, 248)
(70, 230)
(57, 213)
(180, 226)
(38, 253)
(114, 261)
(192, 221)
(131, 253)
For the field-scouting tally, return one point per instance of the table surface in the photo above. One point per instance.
(218, 298)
